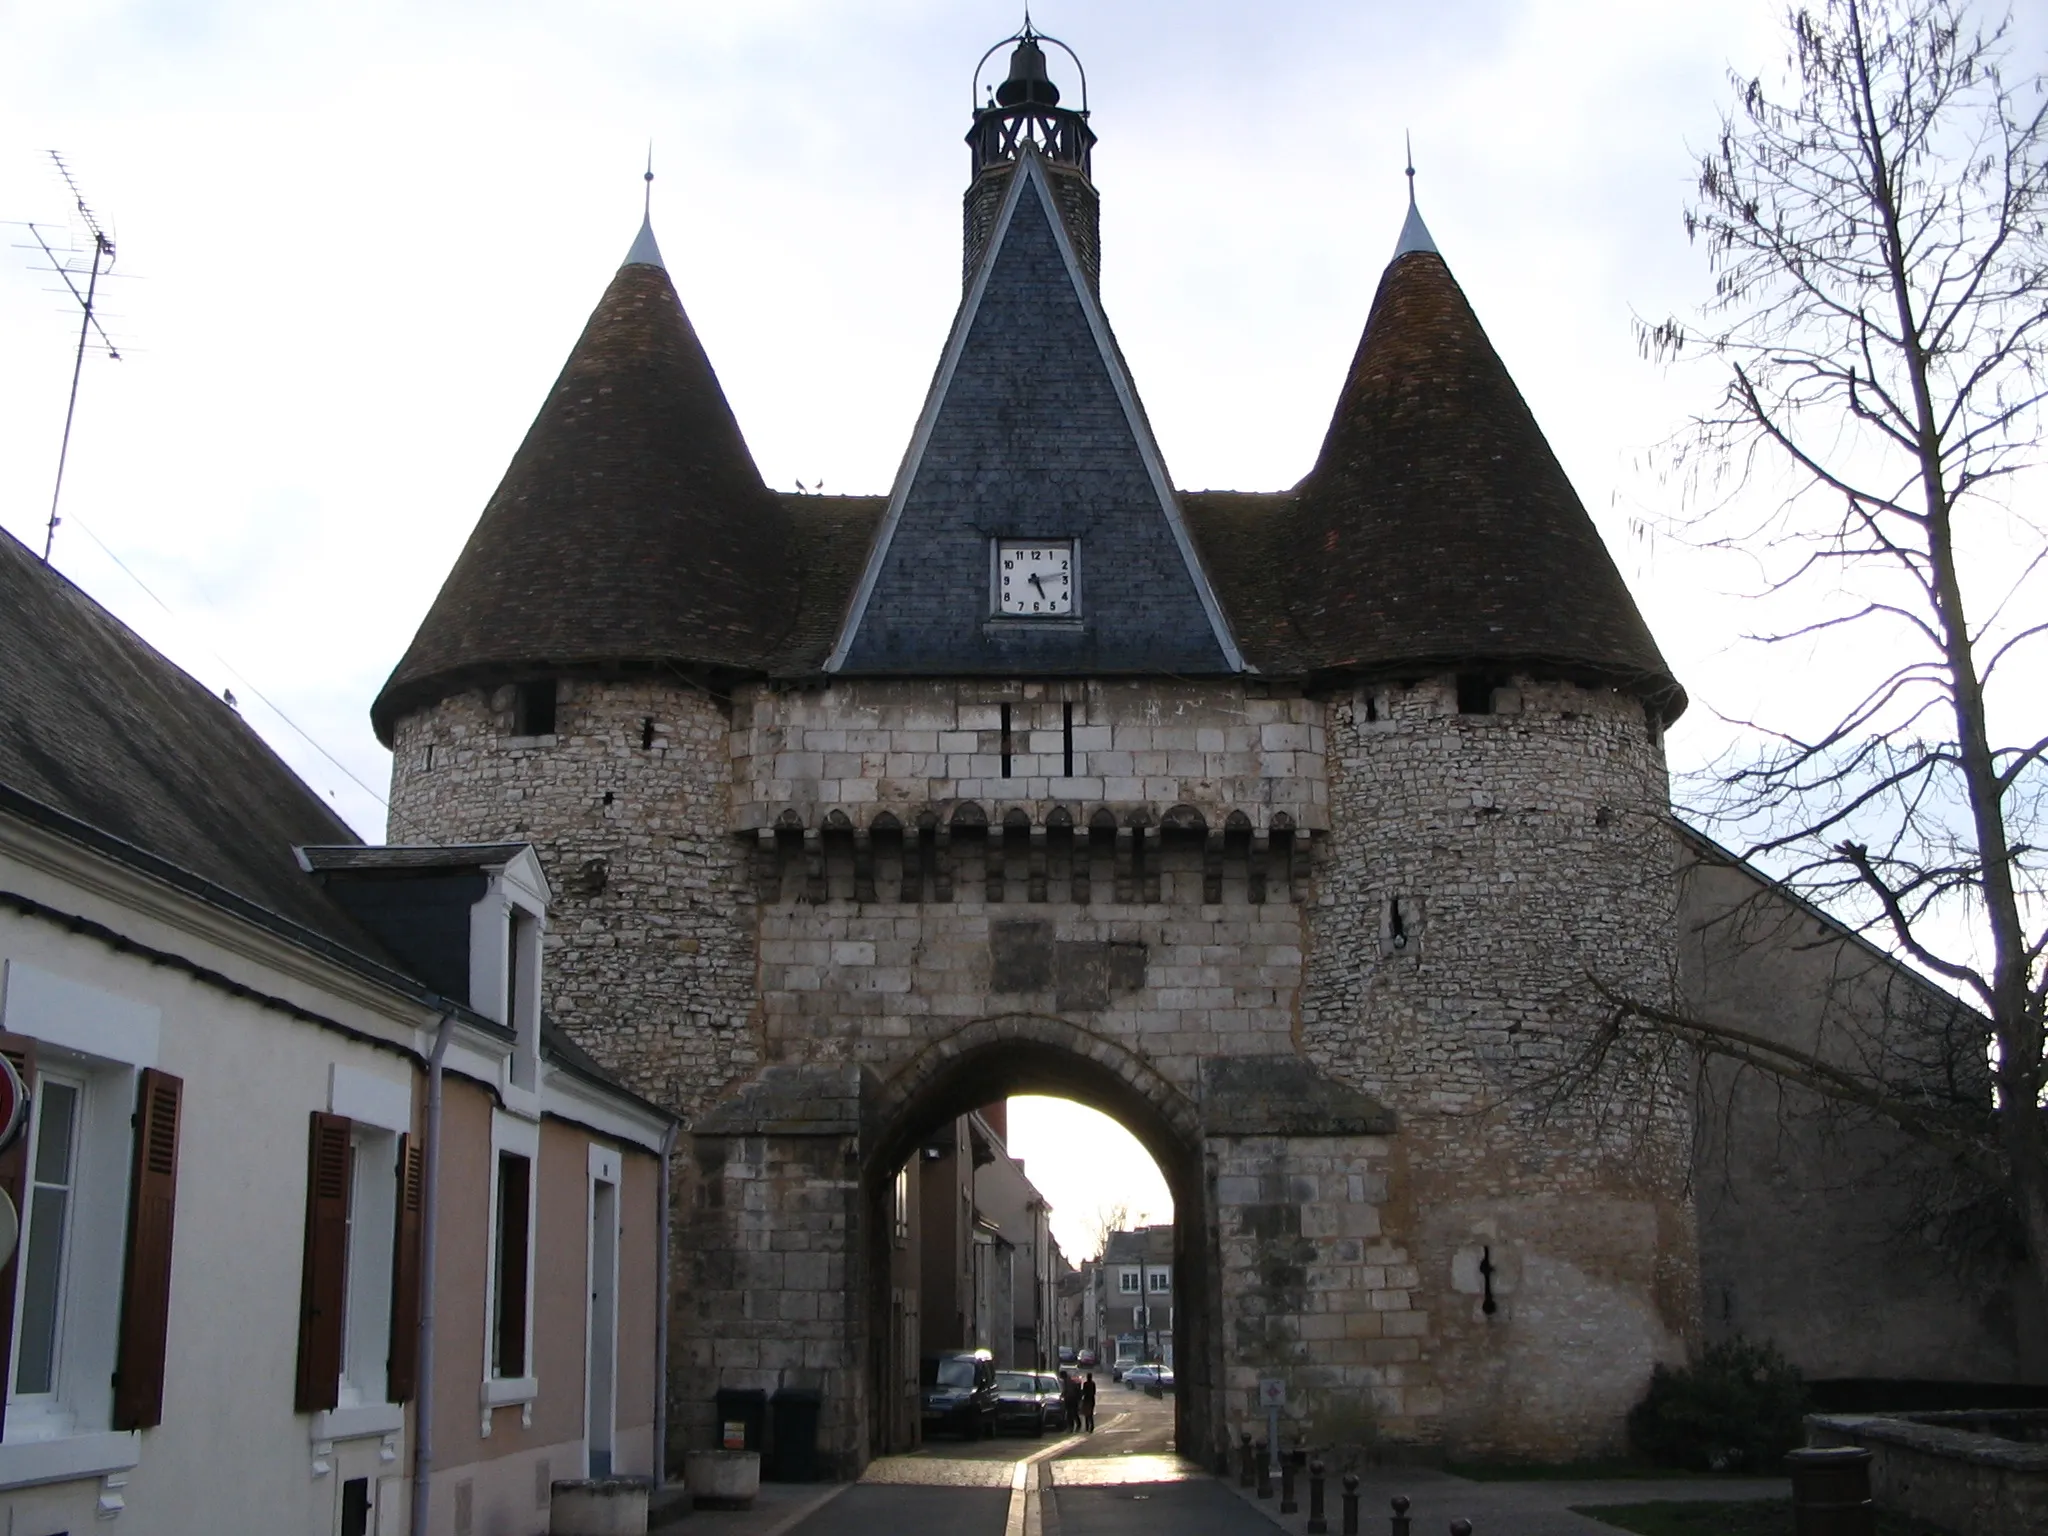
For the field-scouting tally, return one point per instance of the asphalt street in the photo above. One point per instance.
(1125, 1480)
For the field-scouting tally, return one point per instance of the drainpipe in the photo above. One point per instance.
(661, 1304)
(430, 1223)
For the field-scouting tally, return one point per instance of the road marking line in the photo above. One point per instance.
(1024, 1519)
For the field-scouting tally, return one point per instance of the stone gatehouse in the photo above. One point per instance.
(1299, 831)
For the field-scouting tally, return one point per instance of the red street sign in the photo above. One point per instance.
(13, 1104)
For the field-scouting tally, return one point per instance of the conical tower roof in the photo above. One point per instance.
(1437, 529)
(631, 529)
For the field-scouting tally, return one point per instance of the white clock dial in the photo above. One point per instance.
(1035, 577)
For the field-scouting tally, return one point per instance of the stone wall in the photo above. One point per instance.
(1484, 875)
(650, 947)
(1822, 1230)
(866, 747)
(1233, 891)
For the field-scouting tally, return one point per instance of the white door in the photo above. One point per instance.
(601, 1371)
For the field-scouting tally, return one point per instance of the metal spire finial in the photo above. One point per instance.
(1414, 233)
(645, 252)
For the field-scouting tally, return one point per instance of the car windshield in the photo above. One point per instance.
(1012, 1381)
(1048, 1384)
(956, 1373)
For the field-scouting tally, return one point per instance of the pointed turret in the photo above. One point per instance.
(1437, 530)
(632, 528)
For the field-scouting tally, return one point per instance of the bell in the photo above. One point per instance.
(1028, 83)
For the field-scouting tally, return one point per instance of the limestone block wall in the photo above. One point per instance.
(867, 746)
(1318, 1291)
(1484, 876)
(874, 986)
(650, 959)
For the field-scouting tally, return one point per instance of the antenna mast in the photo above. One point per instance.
(89, 322)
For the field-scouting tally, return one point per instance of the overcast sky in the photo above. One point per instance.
(356, 243)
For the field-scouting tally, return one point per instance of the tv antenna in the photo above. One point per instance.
(68, 265)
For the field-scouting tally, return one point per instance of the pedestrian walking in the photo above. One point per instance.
(1088, 1402)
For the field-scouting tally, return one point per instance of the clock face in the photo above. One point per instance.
(1035, 577)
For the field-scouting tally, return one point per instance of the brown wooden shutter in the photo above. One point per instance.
(21, 1051)
(402, 1366)
(146, 1281)
(323, 1284)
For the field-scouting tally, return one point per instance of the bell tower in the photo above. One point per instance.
(1025, 109)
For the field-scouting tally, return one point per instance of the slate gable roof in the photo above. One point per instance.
(1437, 528)
(100, 727)
(1032, 430)
(631, 526)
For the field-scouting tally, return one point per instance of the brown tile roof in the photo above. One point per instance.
(832, 535)
(631, 527)
(97, 726)
(1438, 529)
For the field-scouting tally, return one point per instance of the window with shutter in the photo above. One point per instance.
(14, 1161)
(323, 1286)
(402, 1372)
(146, 1278)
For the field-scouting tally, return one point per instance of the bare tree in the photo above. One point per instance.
(1881, 310)
(1110, 1217)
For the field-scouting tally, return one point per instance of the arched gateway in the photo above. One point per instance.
(1302, 832)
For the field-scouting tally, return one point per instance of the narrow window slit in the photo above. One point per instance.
(1475, 692)
(1486, 1272)
(1067, 730)
(1006, 739)
(647, 733)
(533, 710)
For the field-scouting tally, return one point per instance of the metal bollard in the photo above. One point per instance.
(1399, 1524)
(1287, 1504)
(1245, 1477)
(1350, 1504)
(1317, 1525)
(1265, 1473)
(1461, 1528)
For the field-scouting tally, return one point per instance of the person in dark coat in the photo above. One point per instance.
(1088, 1403)
(1070, 1395)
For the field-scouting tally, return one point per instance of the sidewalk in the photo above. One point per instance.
(777, 1508)
(1497, 1509)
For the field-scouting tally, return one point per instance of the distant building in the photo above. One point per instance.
(1134, 1284)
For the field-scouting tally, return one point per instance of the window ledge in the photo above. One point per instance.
(73, 1456)
(503, 1391)
(360, 1422)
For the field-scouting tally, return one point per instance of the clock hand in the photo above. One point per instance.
(1036, 582)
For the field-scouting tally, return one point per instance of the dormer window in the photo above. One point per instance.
(522, 993)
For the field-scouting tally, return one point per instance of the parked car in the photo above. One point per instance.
(1053, 1388)
(1162, 1381)
(1140, 1376)
(1030, 1401)
(1085, 1359)
(960, 1394)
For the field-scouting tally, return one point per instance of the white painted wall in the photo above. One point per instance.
(230, 1455)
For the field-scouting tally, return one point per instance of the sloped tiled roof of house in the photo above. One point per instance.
(98, 726)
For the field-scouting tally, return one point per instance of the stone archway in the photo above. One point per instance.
(992, 1058)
